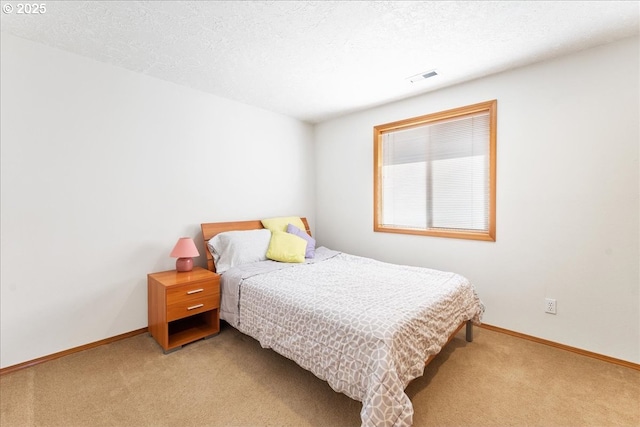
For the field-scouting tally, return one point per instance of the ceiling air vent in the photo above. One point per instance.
(422, 76)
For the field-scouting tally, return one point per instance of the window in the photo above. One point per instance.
(436, 174)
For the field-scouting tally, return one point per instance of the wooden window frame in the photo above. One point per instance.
(380, 130)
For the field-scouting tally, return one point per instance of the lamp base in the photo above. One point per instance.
(184, 264)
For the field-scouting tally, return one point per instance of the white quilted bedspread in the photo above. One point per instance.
(364, 326)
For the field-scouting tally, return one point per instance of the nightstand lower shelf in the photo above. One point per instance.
(189, 329)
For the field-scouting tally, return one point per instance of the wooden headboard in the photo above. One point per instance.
(210, 229)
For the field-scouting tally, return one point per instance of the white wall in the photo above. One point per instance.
(567, 198)
(102, 171)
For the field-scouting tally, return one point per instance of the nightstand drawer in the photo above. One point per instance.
(192, 306)
(191, 291)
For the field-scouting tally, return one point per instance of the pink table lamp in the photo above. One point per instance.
(184, 250)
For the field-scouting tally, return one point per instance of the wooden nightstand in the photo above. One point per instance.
(183, 307)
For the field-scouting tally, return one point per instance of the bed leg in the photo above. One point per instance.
(469, 336)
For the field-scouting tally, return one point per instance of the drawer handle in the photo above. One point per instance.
(195, 291)
(193, 307)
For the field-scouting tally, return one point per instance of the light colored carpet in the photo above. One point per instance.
(229, 380)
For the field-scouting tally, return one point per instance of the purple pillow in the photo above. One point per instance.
(311, 242)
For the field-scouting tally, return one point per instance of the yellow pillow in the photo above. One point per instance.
(286, 247)
(280, 223)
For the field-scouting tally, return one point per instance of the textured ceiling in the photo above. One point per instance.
(315, 60)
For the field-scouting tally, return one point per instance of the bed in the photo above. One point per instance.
(366, 327)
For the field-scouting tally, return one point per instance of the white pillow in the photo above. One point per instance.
(233, 248)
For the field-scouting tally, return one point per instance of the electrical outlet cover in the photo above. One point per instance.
(550, 306)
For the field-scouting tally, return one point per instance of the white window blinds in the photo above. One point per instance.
(437, 175)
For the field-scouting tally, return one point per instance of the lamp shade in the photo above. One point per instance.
(184, 250)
